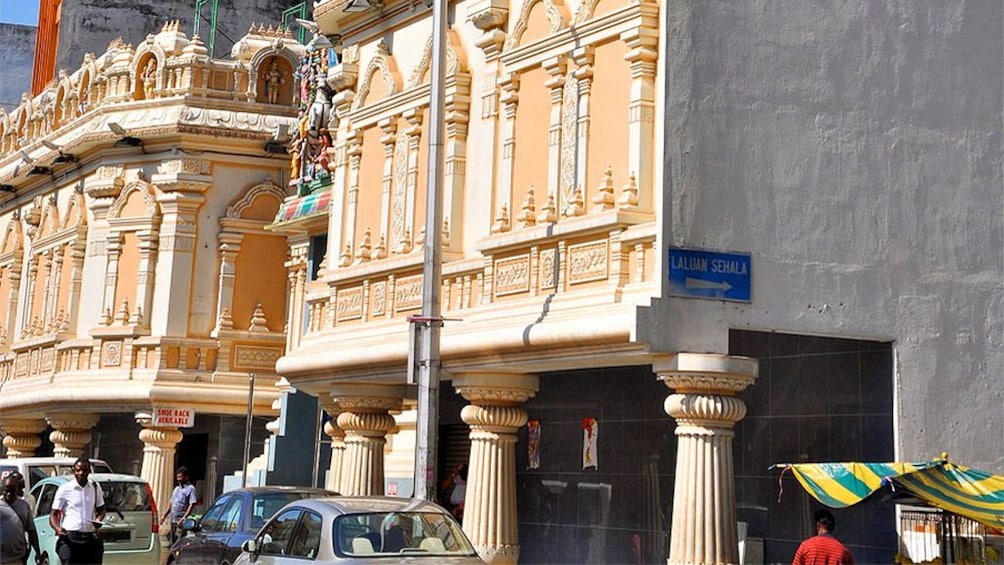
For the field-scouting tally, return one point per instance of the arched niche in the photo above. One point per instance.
(146, 73)
(262, 69)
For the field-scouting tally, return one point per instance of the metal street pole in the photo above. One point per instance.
(428, 327)
(247, 431)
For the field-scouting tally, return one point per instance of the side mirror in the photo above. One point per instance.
(250, 546)
(190, 525)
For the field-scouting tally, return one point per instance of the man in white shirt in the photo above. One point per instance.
(77, 511)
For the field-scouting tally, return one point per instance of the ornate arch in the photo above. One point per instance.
(16, 231)
(145, 190)
(557, 18)
(49, 223)
(140, 59)
(265, 189)
(383, 63)
(455, 62)
(76, 212)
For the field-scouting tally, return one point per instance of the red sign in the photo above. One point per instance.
(174, 417)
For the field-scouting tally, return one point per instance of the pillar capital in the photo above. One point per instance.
(71, 432)
(496, 388)
(22, 436)
(706, 372)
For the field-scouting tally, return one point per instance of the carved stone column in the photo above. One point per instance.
(556, 68)
(22, 436)
(71, 432)
(158, 458)
(366, 420)
(337, 436)
(494, 415)
(643, 58)
(706, 408)
(182, 184)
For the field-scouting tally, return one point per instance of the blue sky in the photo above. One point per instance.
(19, 12)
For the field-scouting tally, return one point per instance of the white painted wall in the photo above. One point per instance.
(854, 148)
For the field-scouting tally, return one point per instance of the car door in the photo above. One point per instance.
(274, 539)
(44, 495)
(216, 536)
(191, 550)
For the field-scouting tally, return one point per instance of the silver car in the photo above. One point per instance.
(365, 529)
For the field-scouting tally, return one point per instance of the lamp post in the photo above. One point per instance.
(429, 324)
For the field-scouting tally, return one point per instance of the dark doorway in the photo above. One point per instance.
(192, 452)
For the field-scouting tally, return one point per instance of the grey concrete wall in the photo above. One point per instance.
(89, 25)
(17, 54)
(854, 148)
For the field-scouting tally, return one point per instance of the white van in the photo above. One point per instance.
(35, 469)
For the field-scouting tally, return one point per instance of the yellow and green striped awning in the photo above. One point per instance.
(967, 492)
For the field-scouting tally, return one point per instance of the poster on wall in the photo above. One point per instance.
(590, 430)
(533, 427)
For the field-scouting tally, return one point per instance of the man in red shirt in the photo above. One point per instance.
(823, 548)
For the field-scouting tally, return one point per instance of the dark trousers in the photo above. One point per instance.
(80, 548)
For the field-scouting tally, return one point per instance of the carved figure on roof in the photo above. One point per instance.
(273, 82)
(296, 147)
(320, 107)
(149, 78)
(303, 75)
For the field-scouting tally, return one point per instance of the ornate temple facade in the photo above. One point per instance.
(551, 199)
(140, 285)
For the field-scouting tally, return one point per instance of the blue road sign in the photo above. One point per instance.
(709, 274)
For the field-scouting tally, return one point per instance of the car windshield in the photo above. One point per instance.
(418, 534)
(265, 504)
(125, 496)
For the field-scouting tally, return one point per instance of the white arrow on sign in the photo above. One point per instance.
(703, 284)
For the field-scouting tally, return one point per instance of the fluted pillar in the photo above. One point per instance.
(71, 432)
(495, 414)
(366, 419)
(706, 409)
(22, 436)
(337, 436)
(158, 458)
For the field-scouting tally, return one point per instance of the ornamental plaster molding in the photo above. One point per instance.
(455, 61)
(557, 18)
(366, 423)
(705, 410)
(383, 63)
(107, 182)
(505, 419)
(72, 422)
(265, 189)
(13, 239)
(499, 389)
(145, 190)
(23, 425)
(159, 437)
